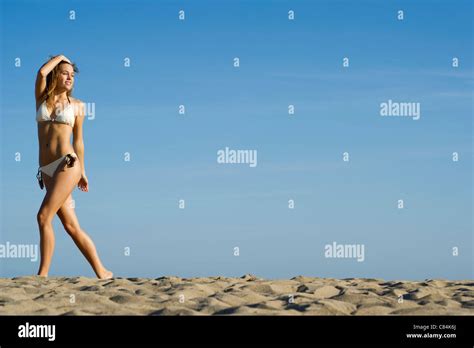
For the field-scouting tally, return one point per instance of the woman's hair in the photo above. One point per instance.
(51, 82)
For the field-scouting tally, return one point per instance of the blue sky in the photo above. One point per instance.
(135, 204)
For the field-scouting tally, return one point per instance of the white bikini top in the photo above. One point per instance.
(65, 116)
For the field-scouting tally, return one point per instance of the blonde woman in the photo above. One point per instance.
(61, 163)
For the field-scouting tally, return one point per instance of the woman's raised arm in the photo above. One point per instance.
(47, 67)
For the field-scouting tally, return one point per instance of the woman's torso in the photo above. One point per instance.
(54, 139)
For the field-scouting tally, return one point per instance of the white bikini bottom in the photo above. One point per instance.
(50, 168)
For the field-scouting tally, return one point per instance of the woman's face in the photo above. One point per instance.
(65, 77)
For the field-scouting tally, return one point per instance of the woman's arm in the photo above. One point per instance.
(47, 67)
(78, 142)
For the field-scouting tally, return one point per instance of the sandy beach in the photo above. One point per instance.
(247, 295)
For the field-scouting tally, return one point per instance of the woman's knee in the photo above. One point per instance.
(72, 229)
(43, 218)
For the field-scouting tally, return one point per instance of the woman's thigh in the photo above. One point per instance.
(59, 187)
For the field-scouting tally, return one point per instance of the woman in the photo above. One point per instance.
(61, 164)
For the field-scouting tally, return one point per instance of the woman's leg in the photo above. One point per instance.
(58, 189)
(69, 220)
(46, 235)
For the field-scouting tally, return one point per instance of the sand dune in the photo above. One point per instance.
(248, 295)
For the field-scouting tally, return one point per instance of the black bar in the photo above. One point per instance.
(238, 329)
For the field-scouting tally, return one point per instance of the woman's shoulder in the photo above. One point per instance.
(78, 104)
(76, 101)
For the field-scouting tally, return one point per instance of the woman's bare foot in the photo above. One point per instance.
(105, 274)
